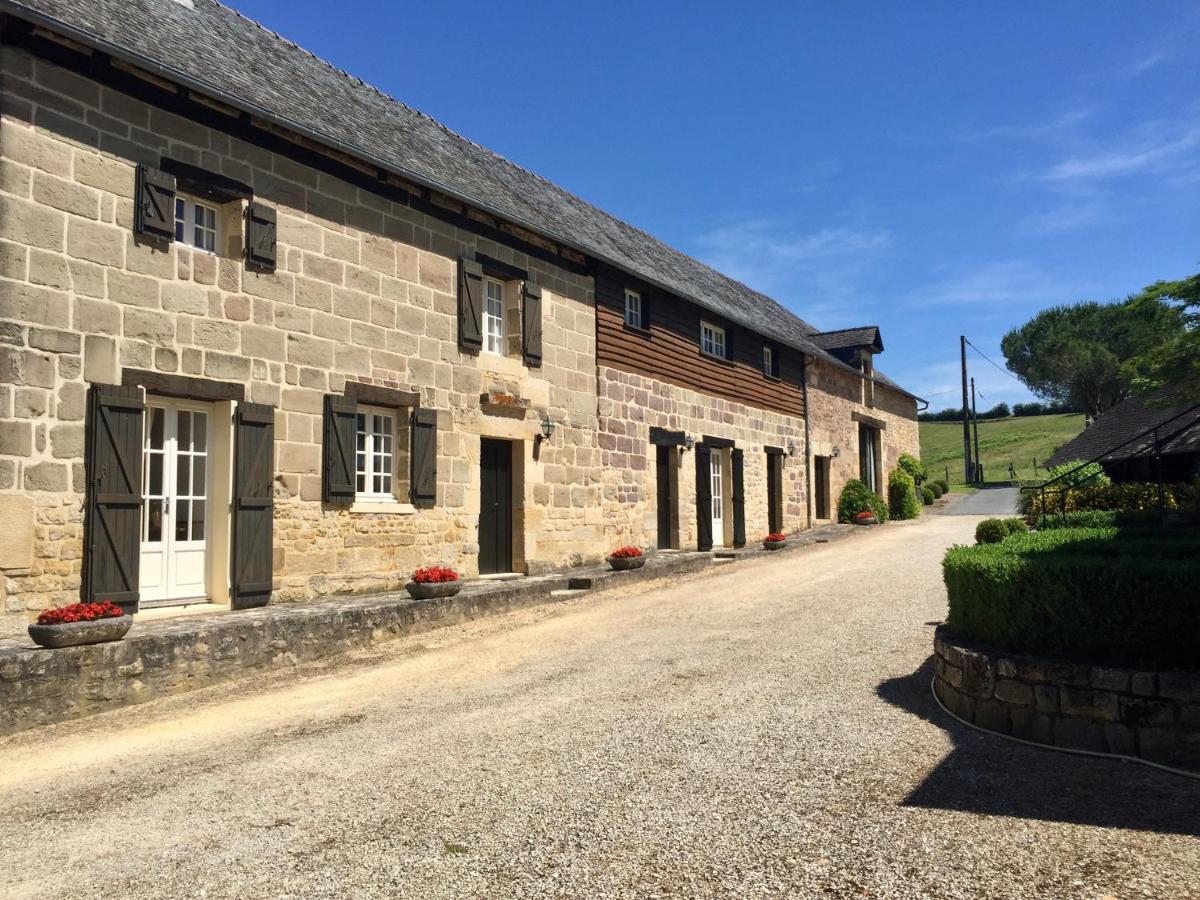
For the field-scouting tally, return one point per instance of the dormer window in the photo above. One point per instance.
(712, 340)
(633, 308)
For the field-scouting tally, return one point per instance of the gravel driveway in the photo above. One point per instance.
(763, 730)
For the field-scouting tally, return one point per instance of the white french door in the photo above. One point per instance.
(718, 498)
(175, 501)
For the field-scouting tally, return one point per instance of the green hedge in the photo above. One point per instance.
(912, 466)
(927, 495)
(1102, 595)
(936, 487)
(944, 485)
(902, 496)
(1131, 496)
(856, 497)
(990, 531)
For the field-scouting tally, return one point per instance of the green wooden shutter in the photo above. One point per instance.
(338, 470)
(423, 483)
(470, 305)
(253, 508)
(260, 237)
(113, 509)
(703, 498)
(739, 499)
(154, 204)
(531, 323)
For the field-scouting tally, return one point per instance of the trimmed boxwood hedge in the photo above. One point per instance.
(855, 498)
(1121, 597)
(902, 495)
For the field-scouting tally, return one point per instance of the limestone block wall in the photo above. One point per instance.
(630, 404)
(365, 290)
(834, 395)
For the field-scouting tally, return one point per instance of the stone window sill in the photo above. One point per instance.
(362, 507)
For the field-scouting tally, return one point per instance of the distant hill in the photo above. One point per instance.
(1019, 440)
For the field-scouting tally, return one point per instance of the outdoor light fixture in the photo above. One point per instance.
(837, 451)
(791, 448)
(688, 443)
(547, 430)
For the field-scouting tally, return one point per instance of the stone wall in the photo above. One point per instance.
(834, 396)
(1151, 715)
(631, 404)
(365, 290)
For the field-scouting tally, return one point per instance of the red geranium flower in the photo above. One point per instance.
(626, 552)
(80, 612)
(776, 536)
(434, 575)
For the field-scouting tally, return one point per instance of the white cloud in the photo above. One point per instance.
(1157, 149)
(1071, 216)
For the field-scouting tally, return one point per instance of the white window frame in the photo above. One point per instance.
(195, 234)
(493, 320)
(712, 340)
(768, 361)
(633, 308)
(368, 467)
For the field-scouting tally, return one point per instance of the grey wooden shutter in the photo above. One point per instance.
(113, 508)
(703, 498)
(470, 305)
(253, 508)
(645, 310)
(423, 483)
(154, 204)
(338, 469)
(739, 499)
(531, 323)
(260, 237)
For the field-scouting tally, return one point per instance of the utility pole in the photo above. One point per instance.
(962, 343)
(975, 421)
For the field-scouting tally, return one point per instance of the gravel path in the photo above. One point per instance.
(764, 730)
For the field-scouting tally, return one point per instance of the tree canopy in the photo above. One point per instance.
(1176, 362)
(1083, 355)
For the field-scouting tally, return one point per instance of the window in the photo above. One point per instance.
(768, 362)
(374, 454)
(493, 316)
(195, 224)
(633, 308)
(712, 340)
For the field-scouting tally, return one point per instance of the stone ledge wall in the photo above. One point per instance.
(1151, 715)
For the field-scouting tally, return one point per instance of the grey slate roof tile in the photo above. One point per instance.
(1127, 419)
(218, 50)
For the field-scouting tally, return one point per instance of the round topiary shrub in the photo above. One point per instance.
(927, 496)
(936, 488)
(902, 496)
(991, 531)
(944, 485)
(1016, 525)
(857, 497)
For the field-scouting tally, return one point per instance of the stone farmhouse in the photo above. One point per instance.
(268, 334)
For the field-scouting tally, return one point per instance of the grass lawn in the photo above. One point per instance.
(1019, 440)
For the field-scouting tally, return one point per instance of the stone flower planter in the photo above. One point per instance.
(774, 545)
(433, 589)
(74, 634)
(866, 520)
(625, 563)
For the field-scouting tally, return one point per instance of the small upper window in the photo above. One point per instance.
(374, 454)
(493, 316)
(712, 340)
(195, 224)
(768, 362)
(633, 308)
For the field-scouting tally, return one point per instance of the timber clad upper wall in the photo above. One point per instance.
(670, 349)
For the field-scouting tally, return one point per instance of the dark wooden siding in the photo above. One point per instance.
(670, 348)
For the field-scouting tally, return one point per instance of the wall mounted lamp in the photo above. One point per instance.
(688, 443)
(547, 430)
(791, 448)
(837, 451)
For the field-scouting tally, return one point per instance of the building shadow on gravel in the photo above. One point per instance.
(994, 776)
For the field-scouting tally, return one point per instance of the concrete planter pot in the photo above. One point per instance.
(867, 520)
(74, 634)
(625, 563)
(431, 590)
(774, 545)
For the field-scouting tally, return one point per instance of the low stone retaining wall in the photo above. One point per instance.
(157, 659)
(1151, 715)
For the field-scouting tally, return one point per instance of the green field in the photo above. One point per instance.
(1019, 440)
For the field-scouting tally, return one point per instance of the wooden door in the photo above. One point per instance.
(666, 498)
(821, 485)
(495, 507)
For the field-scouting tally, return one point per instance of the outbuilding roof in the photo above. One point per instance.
(842, 338)
(1129, 418)
(216, 50)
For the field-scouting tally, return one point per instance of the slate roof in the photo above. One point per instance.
(214, 49)
(864, 336)
(1128, 418)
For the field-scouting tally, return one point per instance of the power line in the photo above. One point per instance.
(989, 359)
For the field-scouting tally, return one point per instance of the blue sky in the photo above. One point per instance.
(933, 168)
